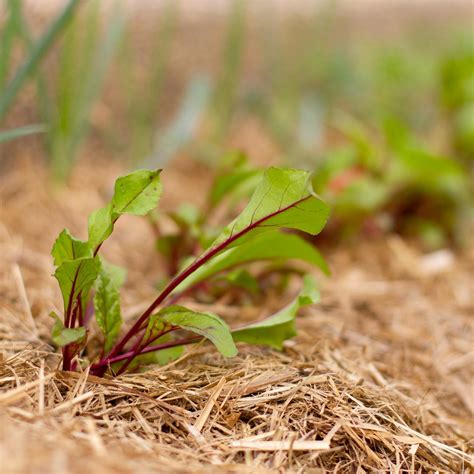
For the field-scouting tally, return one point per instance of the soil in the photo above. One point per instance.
(379, 377)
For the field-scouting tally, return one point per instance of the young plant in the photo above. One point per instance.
(195, 228)
(392, 181)
(283, 200)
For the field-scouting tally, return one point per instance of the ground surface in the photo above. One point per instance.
(379, 378)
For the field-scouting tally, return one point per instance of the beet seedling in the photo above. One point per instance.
(282, 200)
(234, 182)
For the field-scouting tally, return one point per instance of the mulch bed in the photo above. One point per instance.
(379, 378)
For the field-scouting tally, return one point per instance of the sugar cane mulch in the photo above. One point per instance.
(379, 377)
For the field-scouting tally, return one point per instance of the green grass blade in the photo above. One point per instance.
(40, 49)
(85, 55)
(7, 37)
(7, 135)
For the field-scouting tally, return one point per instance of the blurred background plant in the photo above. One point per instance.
(14, 32)
(84, 55)
(386, 119)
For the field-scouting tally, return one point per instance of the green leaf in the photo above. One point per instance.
(100, 226)
(208, 325)
(117, 274)
(364, 195)
(107, 307)
(187, 216)
(75, 278)
(160, 357)
(135, 194)
(68, 248)
(428, 172)
(274, 330)
(230, 182)
(271, 245)
(284, 198)
(243, 279)
(165, 356)
(156, 326)
(63, 336)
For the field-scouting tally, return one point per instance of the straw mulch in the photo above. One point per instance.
(379, 378)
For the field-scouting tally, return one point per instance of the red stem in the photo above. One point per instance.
(72, 313)
(187, 272)
(69, 308)
(81, 315)
(173, 284)
(66, 358)
(146, 350)
(136, 350)
(100, 367)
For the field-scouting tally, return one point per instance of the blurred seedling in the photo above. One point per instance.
(389, 181)
(83, 58)
(282, 200)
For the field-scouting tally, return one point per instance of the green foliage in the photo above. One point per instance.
(175, 135)
(363, 196)
(464, 129)
(77, 266)
(7, 38)
(269, 246)
(162, 356)
(457, 77)
(75, 279)
(276, 329)
(235, 180)
(66, 248)
(41, 47)
(205, 324)
(135, 194)
(394, 175)
(230, 186)
(83, 60)
(241, 278)
(457, 95)
(282, 200)
(63, 336)
(107, 306)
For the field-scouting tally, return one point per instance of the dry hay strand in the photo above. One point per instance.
(379, 378)
(261, 411)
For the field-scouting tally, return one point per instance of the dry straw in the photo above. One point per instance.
(379, 378)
